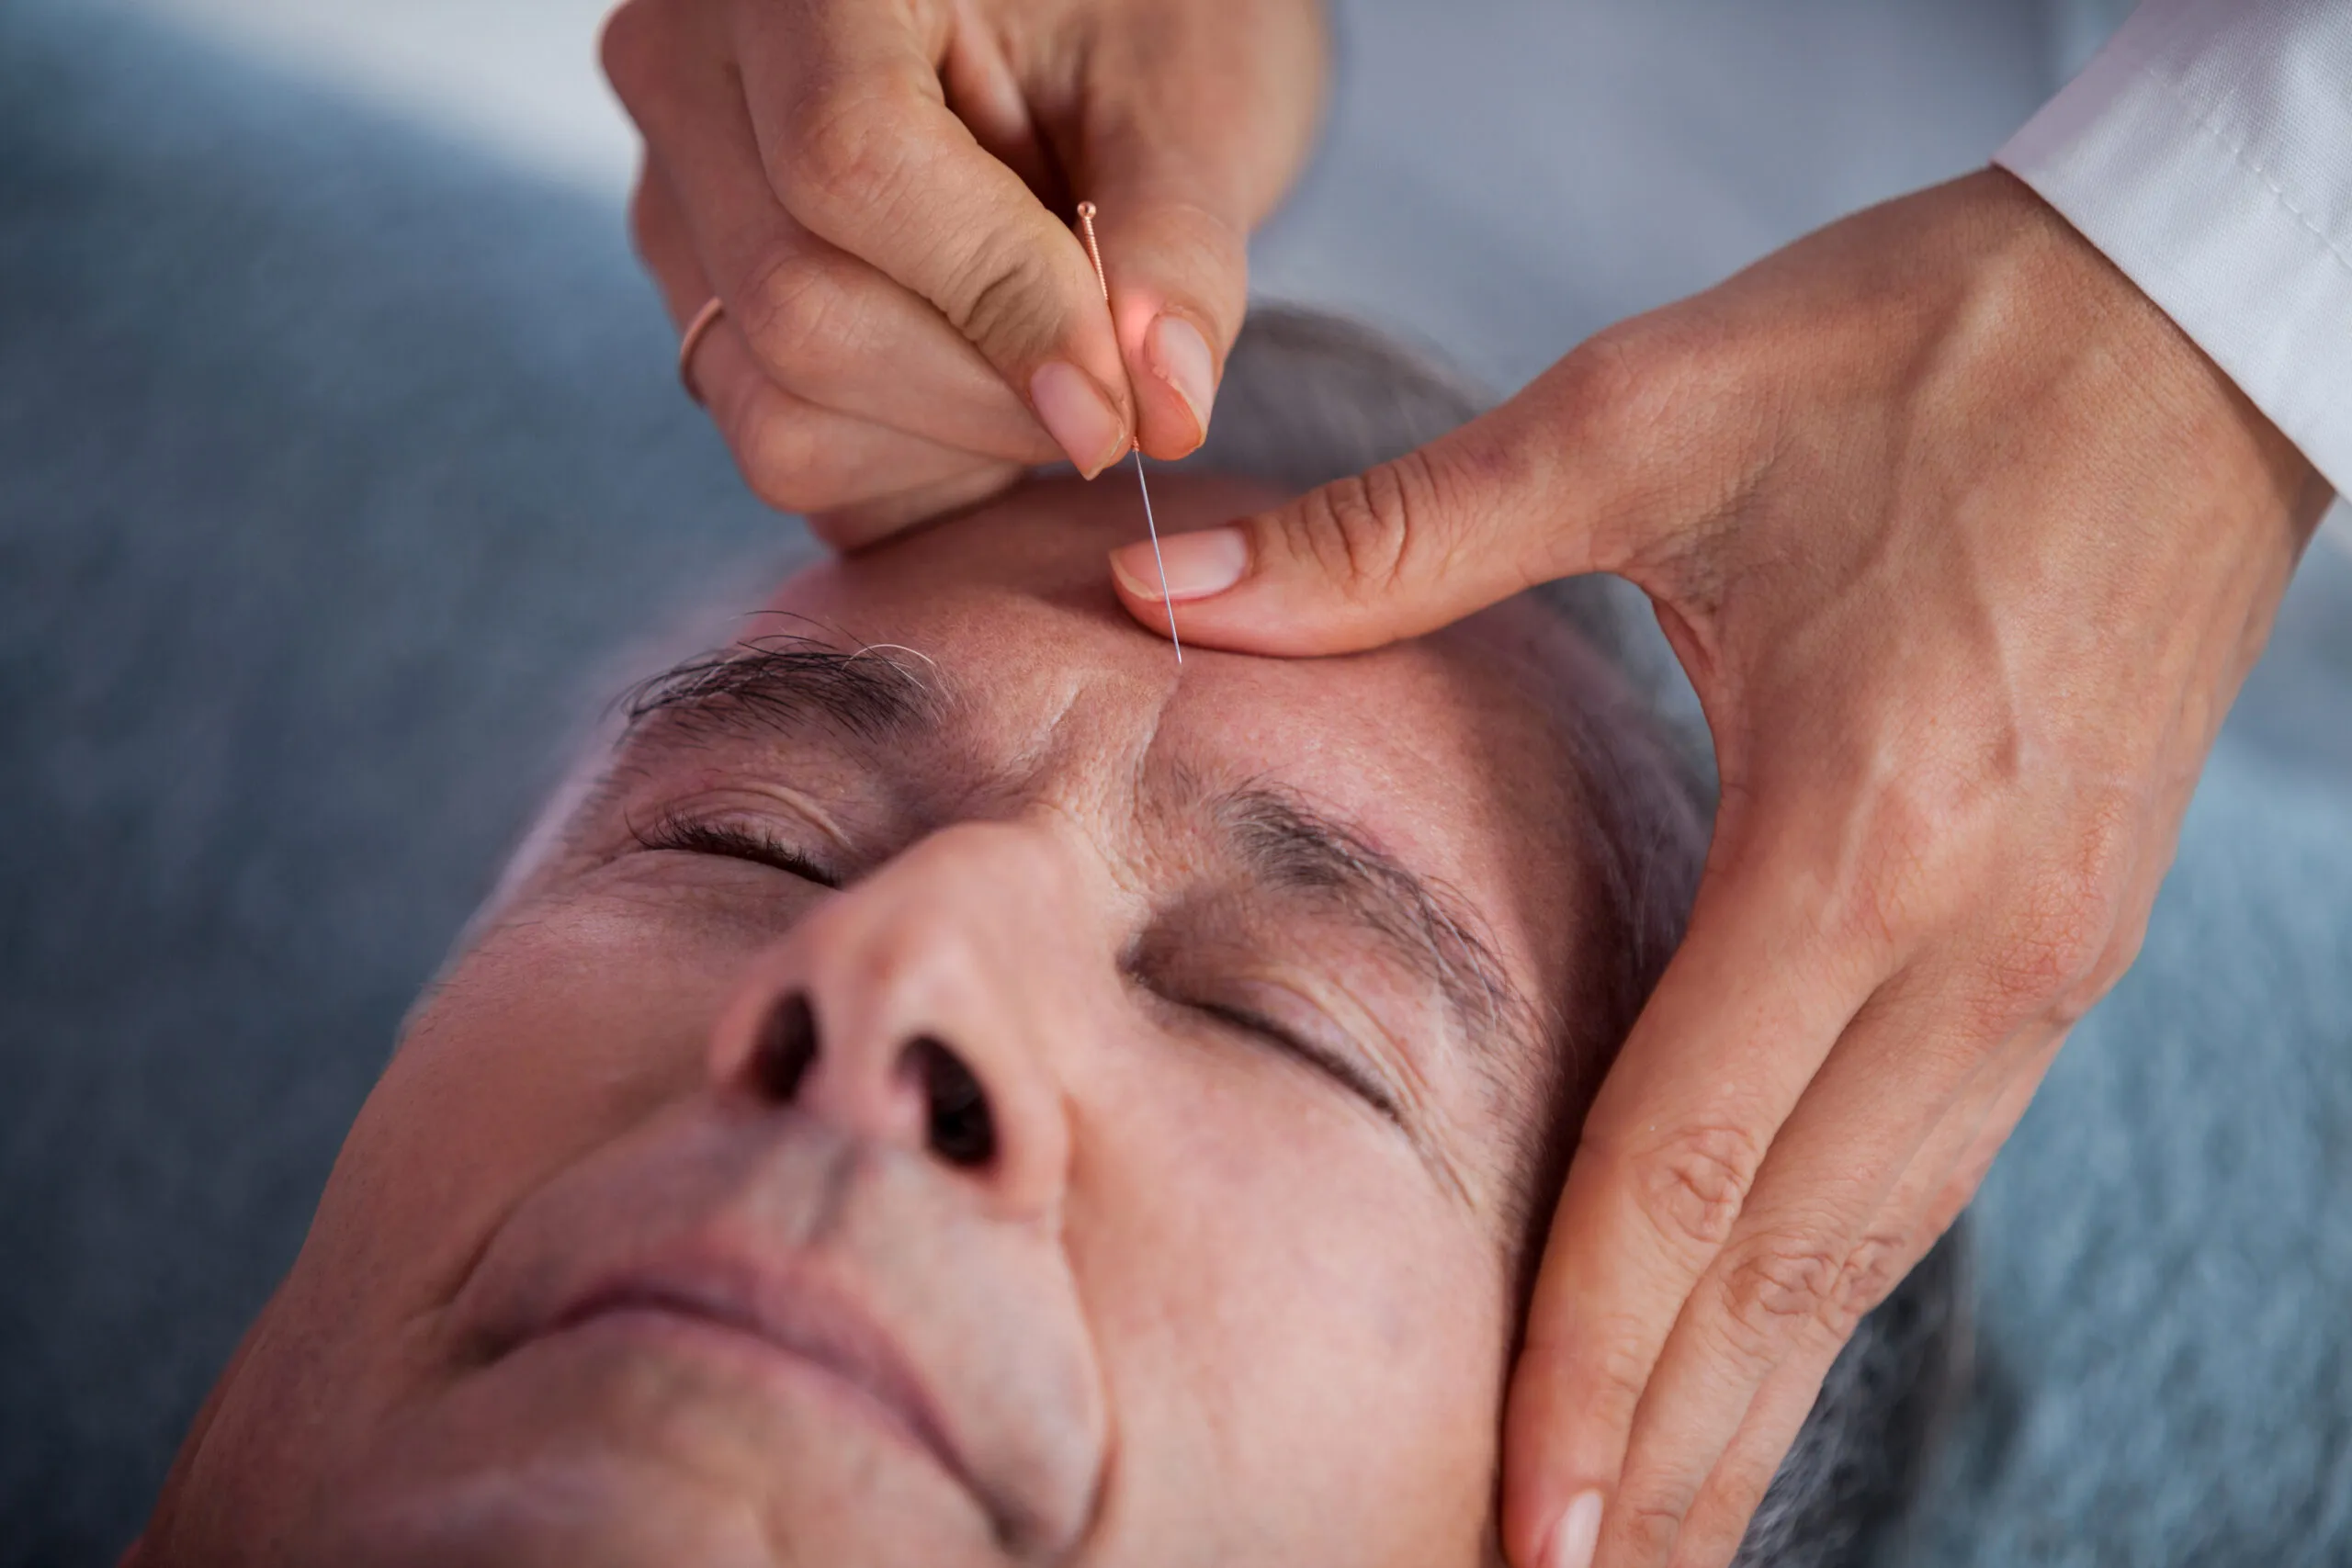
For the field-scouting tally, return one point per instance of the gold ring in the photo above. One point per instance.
(696, 330)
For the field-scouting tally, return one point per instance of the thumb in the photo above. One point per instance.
(1570, 476)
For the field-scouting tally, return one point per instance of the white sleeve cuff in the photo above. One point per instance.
(2207, 151)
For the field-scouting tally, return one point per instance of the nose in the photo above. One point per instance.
(930, 1083)
(931, 1007)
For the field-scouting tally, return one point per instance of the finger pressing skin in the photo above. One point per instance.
(1943, 1177)
(1845, 1204)
(1741, 1021)
(825, 326)
(1630, 440)
(1803, 1261)
(1719, 1520)
(855, 136)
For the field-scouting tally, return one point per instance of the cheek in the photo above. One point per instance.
(553, 1037)
(558, 1033)
(1295, 1321)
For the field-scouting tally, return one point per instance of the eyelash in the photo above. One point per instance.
(732, 841)
(1350, 1077)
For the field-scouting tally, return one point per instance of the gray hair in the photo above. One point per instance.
(1308, 398)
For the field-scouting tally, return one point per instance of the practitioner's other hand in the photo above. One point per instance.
(879, 194)
(1967, 549)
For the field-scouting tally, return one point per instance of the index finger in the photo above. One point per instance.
(1747, 1012)
(863, 150)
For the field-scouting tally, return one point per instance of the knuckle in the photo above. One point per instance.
(1873, 1270)
(2045, 961)
(1649, 1526)
(2098, 977)
(1721, 1517)
(1691, 1187)
(2068, 939)
(2050, 928)
(797, 314)
(1000, 298)
(1927, 841)
(843, 141)
(1618, 1372)
(631, 49)
(1957, 1192)
(858, 143)
(1785, 1289)
(1360, 532)
(1897, 886)
(1777, 1290)
(779, 458)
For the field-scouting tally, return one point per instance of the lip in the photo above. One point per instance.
(792, 1316)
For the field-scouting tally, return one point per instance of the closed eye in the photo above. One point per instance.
(701, 836)
(1331, 1062)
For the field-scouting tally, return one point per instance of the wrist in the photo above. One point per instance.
(2178, 390)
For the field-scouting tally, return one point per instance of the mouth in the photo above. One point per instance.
(790, 1325)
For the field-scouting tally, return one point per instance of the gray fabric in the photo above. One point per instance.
(336, 468)
(2165, 1363)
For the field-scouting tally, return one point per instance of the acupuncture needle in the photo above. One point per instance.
(1094, 254)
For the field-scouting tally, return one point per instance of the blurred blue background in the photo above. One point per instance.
(341, 470)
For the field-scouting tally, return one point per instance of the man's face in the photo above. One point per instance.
(992, 1097)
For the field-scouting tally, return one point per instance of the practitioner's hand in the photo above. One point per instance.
(1967, 549)
(880, 194)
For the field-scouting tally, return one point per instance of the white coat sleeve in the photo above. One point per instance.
(2207, 151)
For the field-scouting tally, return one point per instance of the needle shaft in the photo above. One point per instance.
(1153, 529)
(1094, 254)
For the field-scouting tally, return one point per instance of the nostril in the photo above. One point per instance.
(787, 1046)
(961, 1131)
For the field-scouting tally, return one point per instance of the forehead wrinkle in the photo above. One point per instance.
(1072, 764)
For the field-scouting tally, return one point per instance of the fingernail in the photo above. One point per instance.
(1577, 1532)
(1198, 564)
(1179, 357)
(1077, 417)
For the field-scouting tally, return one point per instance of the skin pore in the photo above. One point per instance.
(960, 1090)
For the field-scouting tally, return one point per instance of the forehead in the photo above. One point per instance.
(1452, 753)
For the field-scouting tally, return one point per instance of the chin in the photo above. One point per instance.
(580, 1512)
(587, 1510)
(584, 1461)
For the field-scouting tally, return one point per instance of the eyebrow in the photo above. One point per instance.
(780, 683)
(1287, 843)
